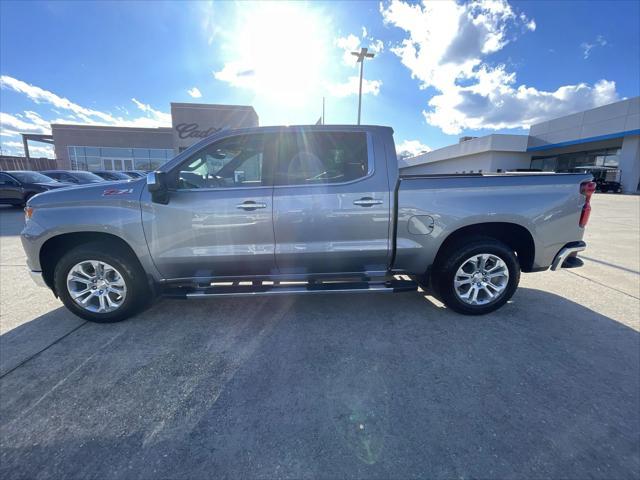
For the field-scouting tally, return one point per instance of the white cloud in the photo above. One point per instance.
(586, 47)
(446, 47)
(411, 148)
(39, 95)
(352, 43)
(348, 44)
(156, 116)
(32, 122)
(194, 92)
(238, 74)
(210, 24)
(494, 103)
(12, 124)
(77, 113)
(351, 86)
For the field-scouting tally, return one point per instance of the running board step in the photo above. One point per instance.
(292, 288)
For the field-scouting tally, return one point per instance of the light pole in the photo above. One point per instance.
(362, 54)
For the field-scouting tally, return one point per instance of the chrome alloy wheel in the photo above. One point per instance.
(481, 279)
(96, 286)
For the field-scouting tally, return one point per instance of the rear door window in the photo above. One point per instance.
(321, 158)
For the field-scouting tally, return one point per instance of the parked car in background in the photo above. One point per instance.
(607, 178)
(112, 175)
(304, 210)
(136, 173)
(18, 186)
(78, 177)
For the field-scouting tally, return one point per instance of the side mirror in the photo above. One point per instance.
(157, 186)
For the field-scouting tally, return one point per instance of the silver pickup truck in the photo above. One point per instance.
(312, 209)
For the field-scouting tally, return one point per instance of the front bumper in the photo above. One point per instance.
(37, 278)
(567, 256)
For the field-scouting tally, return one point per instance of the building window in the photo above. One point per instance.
(114, 158)
(569, 162)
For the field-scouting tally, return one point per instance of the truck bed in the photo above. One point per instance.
(546, 205)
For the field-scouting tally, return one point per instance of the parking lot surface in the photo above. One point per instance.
(342, 386)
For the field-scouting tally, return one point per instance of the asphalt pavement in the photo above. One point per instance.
(332, 386)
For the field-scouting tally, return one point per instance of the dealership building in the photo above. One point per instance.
(92, 147)
(606, 137)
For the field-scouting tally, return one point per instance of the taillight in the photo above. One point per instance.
(586, 189)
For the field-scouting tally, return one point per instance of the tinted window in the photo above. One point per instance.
(232, 162)
(32, 177)
(65, 177)
(321, 158)
(88, 177)
(114, 176)
(6, 180)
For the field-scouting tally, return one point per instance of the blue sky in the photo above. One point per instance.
(442, 69)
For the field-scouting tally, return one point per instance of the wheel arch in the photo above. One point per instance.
(517, 237)
(55, 247)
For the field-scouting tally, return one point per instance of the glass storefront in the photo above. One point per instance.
(567, 162)
(111, 158)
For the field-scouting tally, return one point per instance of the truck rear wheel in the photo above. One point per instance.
(99, 286)
(477, 276)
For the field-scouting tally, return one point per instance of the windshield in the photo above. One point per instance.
(88, 177)
(118, 175)
(32, 177)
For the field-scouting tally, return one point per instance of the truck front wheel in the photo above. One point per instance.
(477, 276)
(100, 283)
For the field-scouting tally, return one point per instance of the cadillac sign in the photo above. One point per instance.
(192, 130)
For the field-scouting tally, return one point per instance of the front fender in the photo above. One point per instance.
(88, 210)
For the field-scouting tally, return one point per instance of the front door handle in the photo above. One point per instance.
(251, 205)
(367, 202)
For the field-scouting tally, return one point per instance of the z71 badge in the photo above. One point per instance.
(117, 191)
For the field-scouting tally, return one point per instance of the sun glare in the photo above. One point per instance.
(279, 50)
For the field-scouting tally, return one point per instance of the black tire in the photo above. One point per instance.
(138, 293)
(443, 274)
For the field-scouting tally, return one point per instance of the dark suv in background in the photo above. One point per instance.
(136, 173)
(79, 177)
(18, 186)
(112, 175)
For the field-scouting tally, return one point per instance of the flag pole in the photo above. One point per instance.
(323, 110)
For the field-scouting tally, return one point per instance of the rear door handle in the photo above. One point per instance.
(251, 205)
(367, 202)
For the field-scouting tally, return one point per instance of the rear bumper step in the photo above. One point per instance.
(567, 257)
(291, 288)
